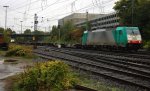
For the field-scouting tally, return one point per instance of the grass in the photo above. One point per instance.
(95, 84)
(146, 45)
(2, 53)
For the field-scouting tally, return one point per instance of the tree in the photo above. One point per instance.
(66, 29)
(1, 30)
(13, 32)
(27, 31)
(76, 35)
(141, 14)
(8, 31)
(27, 39)
(54, 34)
(7, 34)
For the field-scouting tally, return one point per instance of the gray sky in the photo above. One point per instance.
(50, 10)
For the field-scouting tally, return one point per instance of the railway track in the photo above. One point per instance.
(140, 55)
(139, 68)
(103, 54)
(104, 67)
(137, 55)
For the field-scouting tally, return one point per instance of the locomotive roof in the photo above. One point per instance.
(107, 29)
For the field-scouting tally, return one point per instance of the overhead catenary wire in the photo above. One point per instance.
(25, 5)
(48, 6)
(84, 8)
(37, 9)
(48, 17)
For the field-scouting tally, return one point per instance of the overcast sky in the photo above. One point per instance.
(50, 10)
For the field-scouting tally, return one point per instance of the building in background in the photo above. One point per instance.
(77, 17)
(101, 21)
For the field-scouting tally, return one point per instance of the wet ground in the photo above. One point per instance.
(8, 69)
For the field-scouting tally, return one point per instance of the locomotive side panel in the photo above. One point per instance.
(101, 37)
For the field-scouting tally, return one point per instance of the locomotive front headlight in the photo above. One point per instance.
(140, 41)
(129, 41)
(129, 37)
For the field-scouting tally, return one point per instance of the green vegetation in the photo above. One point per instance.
(53, 76)
(147, 45)
(141, 15)
(87, 81)
(47, 76)
(6, 33)
(20, 51)
(68, 34)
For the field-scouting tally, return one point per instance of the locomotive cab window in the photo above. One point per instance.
(120, 32)
(133, 32)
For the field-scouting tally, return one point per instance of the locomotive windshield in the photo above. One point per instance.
(133, 32)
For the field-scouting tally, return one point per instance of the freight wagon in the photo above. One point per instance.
(3, 44)
(127, 38)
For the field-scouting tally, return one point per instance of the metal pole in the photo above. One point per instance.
(6, 17)
(35, 28)
(132, 12)
(59, 35)
(59, 45)
(21, 26)
(87, 26)
(35, 22)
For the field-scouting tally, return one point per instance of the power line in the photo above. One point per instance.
(57, 15)
(58, 8)
(84, 8)
(48, 6)
(25, 5)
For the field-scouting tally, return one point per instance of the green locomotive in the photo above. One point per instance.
(128, 38)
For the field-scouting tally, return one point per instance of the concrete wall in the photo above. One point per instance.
(76, 17)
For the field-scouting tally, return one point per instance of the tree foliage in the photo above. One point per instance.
(6, 34)
(76, 35)
(27, 31)
(141, 14)
(68, 33)
(64, 31)
(1, 30)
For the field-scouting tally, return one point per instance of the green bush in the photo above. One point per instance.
(147, 45)
(17, 50)
(47, 76)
